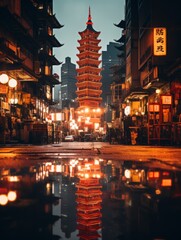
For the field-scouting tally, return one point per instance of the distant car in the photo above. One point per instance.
(69, 138)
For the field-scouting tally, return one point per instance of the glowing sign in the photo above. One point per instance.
(167, 99)
(153, 174)
(159, 41)
(166, 182)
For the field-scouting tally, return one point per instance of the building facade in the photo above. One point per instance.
(26, 56)
(151, 92)
(68, 83)
(109, 59)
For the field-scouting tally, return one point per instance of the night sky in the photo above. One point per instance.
(73, 15)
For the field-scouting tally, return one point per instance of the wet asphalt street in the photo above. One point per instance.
(157, 155)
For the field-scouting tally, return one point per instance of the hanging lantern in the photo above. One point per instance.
(12, 83)
(4, 78)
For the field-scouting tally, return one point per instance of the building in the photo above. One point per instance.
(89, 79)
(159, 67)
(26, 56)
(68, 83)
(151, 92)
(109, 59)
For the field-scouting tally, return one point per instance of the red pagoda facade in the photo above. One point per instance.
(88, 78)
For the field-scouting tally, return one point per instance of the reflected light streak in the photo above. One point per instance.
(13, 178)
(3, 199)
(12, 196)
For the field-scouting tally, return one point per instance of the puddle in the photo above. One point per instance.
(84, 198)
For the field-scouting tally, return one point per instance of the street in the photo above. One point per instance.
(155, 154)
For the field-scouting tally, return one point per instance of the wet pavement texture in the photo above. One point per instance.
(67, 192)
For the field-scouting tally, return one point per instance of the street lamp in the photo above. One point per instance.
(12, 83)
(5, 79)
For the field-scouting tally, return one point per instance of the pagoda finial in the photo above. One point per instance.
(89, 13)
(89, 22)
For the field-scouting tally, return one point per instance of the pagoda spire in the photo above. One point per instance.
(89, 22)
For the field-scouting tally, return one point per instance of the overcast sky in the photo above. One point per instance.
(73, 14)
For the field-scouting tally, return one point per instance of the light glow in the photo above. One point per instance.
(12, 195)
(3, 199)
(12, 83)
(4, 78)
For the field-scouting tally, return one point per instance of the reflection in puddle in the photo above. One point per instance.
(90, 199)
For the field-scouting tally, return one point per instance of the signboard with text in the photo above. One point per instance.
(159, 41)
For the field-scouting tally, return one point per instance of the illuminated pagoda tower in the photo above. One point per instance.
(88, 79)
(89, 199)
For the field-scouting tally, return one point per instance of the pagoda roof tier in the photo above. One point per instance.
(93, 183)
(89, 201)
(85, 77)
(92, 215)
(121, 24)
(89, 61)
(88, 228)
(91, 208)
(83, 215)
(88, 77)
(89, 211)
(89, 222)
(85, 236)
(89, 92)
(86, 195)
(89, 102)
(87, 99)
(90, 40)
(89, 70)
(88, 186)
(88, 54)
(88, 32)
(88, 84)
(88, 47)
(87, 191)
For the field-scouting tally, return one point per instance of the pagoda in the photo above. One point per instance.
(89, 78)
(89, 199)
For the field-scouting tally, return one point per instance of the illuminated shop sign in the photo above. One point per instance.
(167, 99)
(159, 41)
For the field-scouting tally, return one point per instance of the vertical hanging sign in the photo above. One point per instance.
(159, 41)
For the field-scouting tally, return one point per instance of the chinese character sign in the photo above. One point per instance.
(160, 42)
